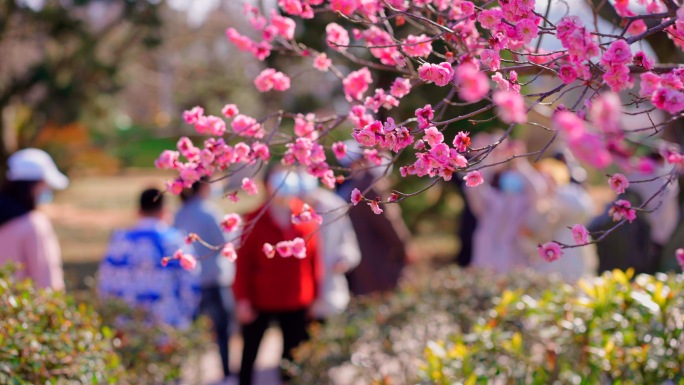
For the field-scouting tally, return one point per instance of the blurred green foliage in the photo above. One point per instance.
(381, 340)
(606, 330)
(46, 337)
(151, 352)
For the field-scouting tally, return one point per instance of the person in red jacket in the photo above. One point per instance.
(273, 287)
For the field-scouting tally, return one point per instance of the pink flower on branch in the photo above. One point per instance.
(356, 196)
(473, 179)
(356, 84)
(580, 234)
(550, 251)
(249, 186)
(440, 74)
(511, 106)
(228, 251)
(473, 84)
(618, 183)
(622, 209)
(231, 222)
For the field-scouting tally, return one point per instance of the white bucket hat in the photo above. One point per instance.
(32, 164)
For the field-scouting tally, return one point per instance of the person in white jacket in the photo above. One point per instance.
(338, 248)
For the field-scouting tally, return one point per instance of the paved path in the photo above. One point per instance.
(208, 372)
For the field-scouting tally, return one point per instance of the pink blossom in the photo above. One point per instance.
(167, 160)
(567, 73)
(526, 30)
(679, 255)
(268, 250)
(284, 248)
(231, 222)
(262, 50)
(669, 100)
(380, 99)
(550, 251)
(187, 261)
(462, 141)
(643, 60)
(175, 187)
(299, 248)
(193, 115)
(375, 207)
(321, 62)
(356, 196)
(304, 125)
(473, 179)
(212, 125)
(264, 81)
(440, 74)
(400, 88)
(618, 183)
(337, 37)
(618, 53)
(622, 209)
(580, 234)
(247, 126)
(230, 110)
(261, 151)
(365, 137)
(249, 186)
(473, 83)
(243, 43)
(490, 18)
(417, 46)
(284, 25)
(433, 136)
(502, 83)
(425, 116)
(339, 149)
(346, 7)
(328, 179)
(617, 77)
(511, 106)
(292, 7)
(491, 59)
(229, 252)
(356, 84)
(569, 123)
(605, 112)
(590, 148)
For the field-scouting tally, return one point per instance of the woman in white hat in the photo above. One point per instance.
(26, 234)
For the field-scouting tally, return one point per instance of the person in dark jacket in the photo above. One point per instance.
(383, 238)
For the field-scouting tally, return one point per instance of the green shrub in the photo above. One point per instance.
(47, 338)
(381, 340)
(607, 330)
(151, 352)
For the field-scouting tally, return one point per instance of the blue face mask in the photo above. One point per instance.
(511, 183)
(216, 190)
(45, 197)
(284, 183)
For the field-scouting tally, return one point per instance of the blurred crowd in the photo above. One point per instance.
(521, 205)
(350, 250)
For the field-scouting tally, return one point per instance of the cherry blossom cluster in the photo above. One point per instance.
(485, 56)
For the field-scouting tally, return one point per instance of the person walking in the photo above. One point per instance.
(272, 285)
(26, 234)
(199, 216)
(136, 271)
(338, 247)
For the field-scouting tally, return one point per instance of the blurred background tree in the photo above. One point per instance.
(58, 55)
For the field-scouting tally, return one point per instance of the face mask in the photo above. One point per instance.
(284, 184)
(45, 197)
(216, 190)
(511, 183)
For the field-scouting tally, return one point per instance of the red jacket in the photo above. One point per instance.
(277, 284)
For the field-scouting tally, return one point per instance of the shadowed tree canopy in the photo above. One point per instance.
(57, 55)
